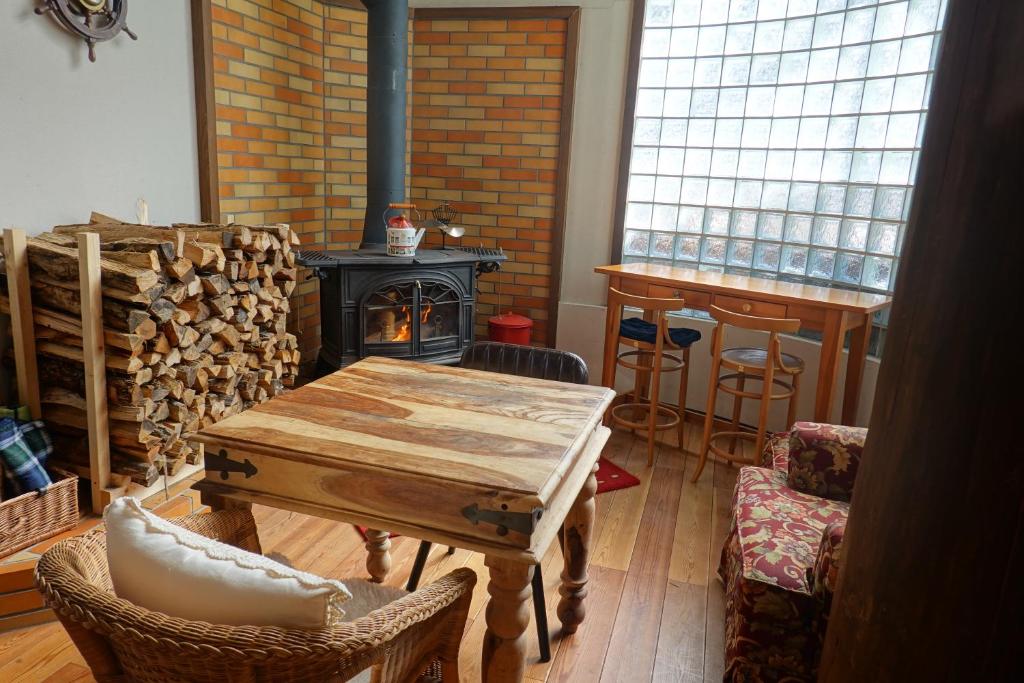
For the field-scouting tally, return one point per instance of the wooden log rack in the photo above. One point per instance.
(105, 485)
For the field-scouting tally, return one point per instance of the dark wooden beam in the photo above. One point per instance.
(496, 12)
(931, 582)
(636, 31)
(206, 112)
(351, 4)
(572, 40)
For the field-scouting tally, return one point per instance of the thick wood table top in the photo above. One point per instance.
(501, 431)
(748, 286)
(410, 447)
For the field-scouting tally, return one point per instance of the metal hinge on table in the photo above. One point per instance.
(521, 522)
(225, 465)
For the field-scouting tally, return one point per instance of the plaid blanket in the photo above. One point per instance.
(24, 448)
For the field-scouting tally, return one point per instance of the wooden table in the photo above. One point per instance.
(484, 461)
(830, 311)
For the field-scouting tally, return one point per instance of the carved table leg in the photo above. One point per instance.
(378, 559)
(576, 551)
(508, 615)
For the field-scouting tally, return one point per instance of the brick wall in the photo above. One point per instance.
(290, 82)
(485, 137)
(289, 86)
(345, 114)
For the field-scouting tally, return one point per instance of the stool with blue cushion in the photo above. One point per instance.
(653, 342)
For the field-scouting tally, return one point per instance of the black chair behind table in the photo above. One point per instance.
(524, 361)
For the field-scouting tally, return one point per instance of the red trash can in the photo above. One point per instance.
(510, 328)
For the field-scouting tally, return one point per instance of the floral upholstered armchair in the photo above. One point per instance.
(780, 562)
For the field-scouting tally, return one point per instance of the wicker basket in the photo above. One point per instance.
(34, 517)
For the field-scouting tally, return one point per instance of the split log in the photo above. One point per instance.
(61, 263)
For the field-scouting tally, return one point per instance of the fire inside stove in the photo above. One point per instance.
(401, 312)
(405, 327)
(403, 330)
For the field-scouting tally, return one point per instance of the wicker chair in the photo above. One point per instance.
(415, 638)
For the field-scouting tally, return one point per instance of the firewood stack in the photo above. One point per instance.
(194, 330)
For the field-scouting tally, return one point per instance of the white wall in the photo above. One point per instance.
(600, 91)
(77, 136)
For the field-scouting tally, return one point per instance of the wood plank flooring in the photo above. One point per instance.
(655, 606)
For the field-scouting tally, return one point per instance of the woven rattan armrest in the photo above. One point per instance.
(117, 637)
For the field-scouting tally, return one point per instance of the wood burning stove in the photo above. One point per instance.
(372, 304)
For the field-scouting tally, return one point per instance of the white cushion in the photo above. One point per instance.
(162, 567)
(368, 596)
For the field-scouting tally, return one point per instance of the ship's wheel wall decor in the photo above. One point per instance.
(93, 20)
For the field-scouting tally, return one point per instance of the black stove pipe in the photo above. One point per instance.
(387, 43)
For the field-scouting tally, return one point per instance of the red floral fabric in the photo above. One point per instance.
(825, 572)
(775, 455)
(779, 529)
(778, 565)
(823, 459)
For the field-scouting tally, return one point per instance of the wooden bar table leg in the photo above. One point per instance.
(859, 338)
(378, 558)
(508, 615)
(828, 368)
(576, 550)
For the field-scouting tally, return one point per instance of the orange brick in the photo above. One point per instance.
(530, 25)
(468, 62)
(230, 145)
(228, 50)
(526, 51)
(465, 136)
(226, 16)
(500, 162)
(506, 63)
(245, 131)
(503, 113)
(525, 102)
(518, 174)
(430, 38)
(247, 161)
(488, 25)
(507, 38)
(546, 39)
(468, 87)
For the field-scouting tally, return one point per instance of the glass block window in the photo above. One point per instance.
(780, 138)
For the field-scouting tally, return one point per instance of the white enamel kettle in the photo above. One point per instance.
(403, 238)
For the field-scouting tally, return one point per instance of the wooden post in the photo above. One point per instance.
(95, 368)
(378, 557)
(930, 582)
(22, 328)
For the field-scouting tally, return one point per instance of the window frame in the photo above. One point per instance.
(627, 149)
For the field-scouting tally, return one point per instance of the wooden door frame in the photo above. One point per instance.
(206, 110)
(571, 13)
(636, 27)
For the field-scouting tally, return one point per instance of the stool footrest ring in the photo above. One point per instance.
(679, 363)
(722, 453)
(673, 417)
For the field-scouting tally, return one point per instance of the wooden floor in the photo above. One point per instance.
(655, 606)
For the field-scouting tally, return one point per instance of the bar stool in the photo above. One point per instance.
(650, 336)
(760, 364)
